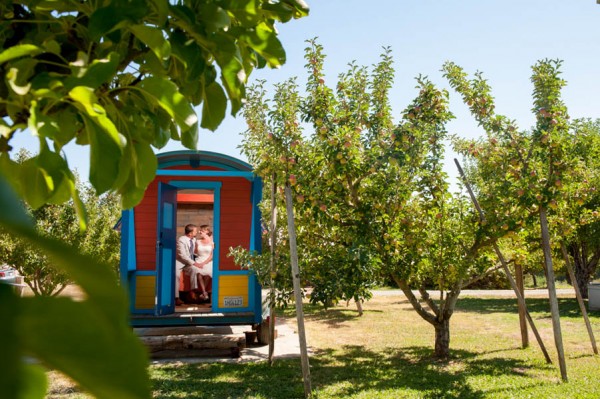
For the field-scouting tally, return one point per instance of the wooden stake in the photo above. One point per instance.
(297, 294)
(273, 235)
(522, 303)
(522, 317)
(565, 254)
(511, 280)
(552, 294)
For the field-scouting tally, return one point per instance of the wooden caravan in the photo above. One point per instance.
(200, 188)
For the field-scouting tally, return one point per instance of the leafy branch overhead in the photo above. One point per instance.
(120, 77)
(123, 77)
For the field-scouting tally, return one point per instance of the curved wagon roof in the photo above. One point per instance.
(196, 159)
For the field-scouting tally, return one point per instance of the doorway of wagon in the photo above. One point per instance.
(196, 207)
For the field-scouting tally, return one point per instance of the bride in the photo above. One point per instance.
(204, 256)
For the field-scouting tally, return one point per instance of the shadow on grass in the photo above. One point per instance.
(568, 307)
(344, 372)
(333, 317)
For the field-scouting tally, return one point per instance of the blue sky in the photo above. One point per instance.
(503, 39)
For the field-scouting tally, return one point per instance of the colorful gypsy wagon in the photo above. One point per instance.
(204, 189)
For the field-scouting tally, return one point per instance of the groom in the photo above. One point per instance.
(185, 260)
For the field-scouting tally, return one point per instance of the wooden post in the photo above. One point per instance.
(552, 294)
(272, 240)
(522, 317)
(511, 280)
(521, 301)
(565, 254)
(297, 294)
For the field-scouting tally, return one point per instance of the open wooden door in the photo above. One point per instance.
(165, 248)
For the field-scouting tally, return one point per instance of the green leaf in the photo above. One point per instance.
(190, 54)
(79, 208)
(58, 170)
(85, 97)
(245, 11)
(263, 39)
(105, 156)
(232, 70)
(36, 382)
(12, 379)
(97, 73)
(39, 124)
(165, 94)
(17, 83)
(116, 16)
(18, 51)
(79, 338)
(214, 106)
(213, 17)
(162, 123)
(161, 10)
(132, 197)
(145, 165)
(76, 331)
(39, 185)
(189, 138)
(154, 39)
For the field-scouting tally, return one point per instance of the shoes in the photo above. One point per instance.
(178, 302)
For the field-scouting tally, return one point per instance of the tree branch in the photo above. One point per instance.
(428, 317)
(427, 299)
(482, 275)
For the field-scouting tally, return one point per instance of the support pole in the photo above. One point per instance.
(511, 280)
(297, 294)
(522, 317)
(272, 240)
(565, 254)
(558, 341)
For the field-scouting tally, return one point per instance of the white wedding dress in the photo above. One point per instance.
(203, 251)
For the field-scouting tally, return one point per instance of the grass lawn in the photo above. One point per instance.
(386, 353)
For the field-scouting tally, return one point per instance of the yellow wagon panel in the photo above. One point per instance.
(233, 291)
(145, 293)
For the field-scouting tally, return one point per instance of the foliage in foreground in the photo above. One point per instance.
(120, 77)
(59, 221)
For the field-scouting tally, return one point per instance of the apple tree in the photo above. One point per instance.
(527, 178)
(372, 199)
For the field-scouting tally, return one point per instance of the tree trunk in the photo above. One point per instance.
(522, 309)
(442, 339)
(584, 265)
(359, 307)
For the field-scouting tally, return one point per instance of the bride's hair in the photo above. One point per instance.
(206, 228)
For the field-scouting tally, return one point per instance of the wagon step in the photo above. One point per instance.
(193, 345)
